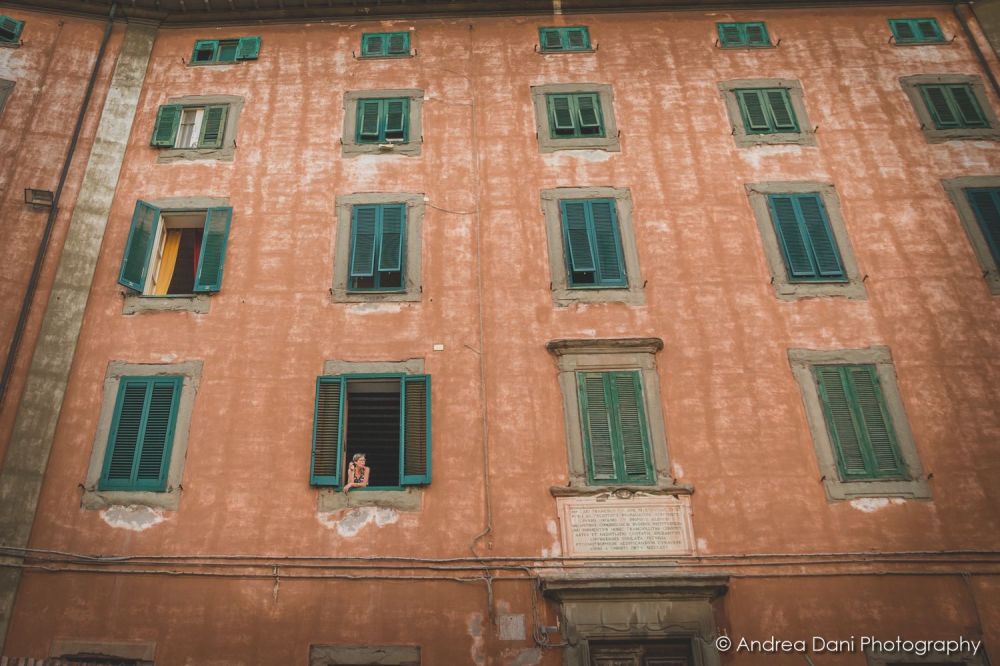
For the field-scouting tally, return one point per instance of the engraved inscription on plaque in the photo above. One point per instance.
(634, 526)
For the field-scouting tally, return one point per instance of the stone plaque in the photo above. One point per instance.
(636, 525)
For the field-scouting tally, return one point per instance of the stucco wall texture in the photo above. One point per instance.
(50, 70)
(735, 421)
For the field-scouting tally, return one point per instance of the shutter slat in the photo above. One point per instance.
(609, 260)
(416, 430)
(168, 119)
(797, 260)
(875, 420)
(753, 110)
(212, 257)
(213, 126)
(327, 435)
(840, 422)
(363, 241)
(581, 255)
(817, 227)
(632, 425)
(390, 256)
(138, 246)
(597, 426)
(781, 110)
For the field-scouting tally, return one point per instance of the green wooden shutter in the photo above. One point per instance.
(560, 111)
(328, 435)
(248, 48)
(798, 263)
(968, 108)
(205, 50)
(372, 44)
(551, 39)
(607, 243)
(756, 34)
(577, 39)
(937, 103)
(10, 29)
(399, 43)
(213, 126)
(840, 422)
(168, 118)
(820, 235)
(415, 430)
(730, 34)
(986, 206)
(363, 241)
(632, 426)
(595, 415)
(139, 246)
(142, 430)
(875, 420)
(929, 30)
(390, 255)
(578, 243)
(589, 109)
(780, 106)
(752, 107)
(213, 249)
(902, 30)
(369, 111)
(396, 112)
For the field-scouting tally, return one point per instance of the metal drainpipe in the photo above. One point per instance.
(975, 47)
(22, 319)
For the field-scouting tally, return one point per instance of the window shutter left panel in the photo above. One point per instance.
(138, 246)
(168, 119)
(126, 434)
(416, 449)
(598, 437)
(328, 438)
(213, 249)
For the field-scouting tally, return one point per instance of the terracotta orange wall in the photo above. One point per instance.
(50, 69)
(735, 423)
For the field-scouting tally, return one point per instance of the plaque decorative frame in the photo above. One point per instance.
(625, 523)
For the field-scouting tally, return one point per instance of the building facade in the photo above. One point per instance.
(660, 326)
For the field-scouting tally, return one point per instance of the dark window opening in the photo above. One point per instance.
(182, 281)
(373, 415)
(204, 53)
(645, 653)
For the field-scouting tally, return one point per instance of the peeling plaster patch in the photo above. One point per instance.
(702, 545)
(755, 155)
(870, 504)
(568, 158)
(529, 657)
(168, 358)
(349, 523)
(678, 471)
(475, 628)
(365, 308)
(132, 517)
(556, 549)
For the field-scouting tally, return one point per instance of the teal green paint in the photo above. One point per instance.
(378, 246)
(752, 33)
(574, 38)
(953, 106)
(212, 257)
(139, 246)
(592, 243)
(620, 413)
(808, 246)
(916, 31)
(385, 44)
(767, 111)
(985, 204)
(383, 120)
(10, 29)
(318, 478)
(575, 115)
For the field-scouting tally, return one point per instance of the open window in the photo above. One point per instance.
(175, 252)
(10, 30)
(179, 126)
(221, 51)
(385, 416)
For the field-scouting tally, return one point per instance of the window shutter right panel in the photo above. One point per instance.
(214, 126)
(817, 227)
(781, 111)
(596, 417)
(416, 451)
(248, 48)
(968, 108)
(390, 256)
(138, 246)
(154, 457)
(328, 432)
(399, 43)
(876, 422)
(606, 243)
(632, 426)
(168, 119)
(986, 206)
(840, 422)
(212, 259)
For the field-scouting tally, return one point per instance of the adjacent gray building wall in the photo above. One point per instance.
(988, 14)
(48, 374)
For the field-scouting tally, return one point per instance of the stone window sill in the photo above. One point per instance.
(138, 303)
(405, 499)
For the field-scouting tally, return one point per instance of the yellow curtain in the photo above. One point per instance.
(167, 262)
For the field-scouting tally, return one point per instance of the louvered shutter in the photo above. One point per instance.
(937, 103)
(632, 426)
(606, 243)
(781, 110)
(929, 30)
(840, 422)
(967, 106)
(168, 118)
(328, 437)
(395, 118)
(205, 50)
(213, 126)
(757, 34)
(903, 30)
(415, 447)
(589, 108)
(158, 433)
(372, 45)
(139, 245)
(794, 248)
(399, 43)
(368, 117)
(752, 104)
(363, 241)
(248, 48)
(126, 433)
(576, 39)
(875, 421)
(10, 29)
(562, 115)
(986, 206)
(141, 435)
(730, 34)
(581, 255)
(597, 429)
(820, 235)
(390, 255)
(212, 257)
(551, 40)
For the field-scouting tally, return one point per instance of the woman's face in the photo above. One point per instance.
(361, 461)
